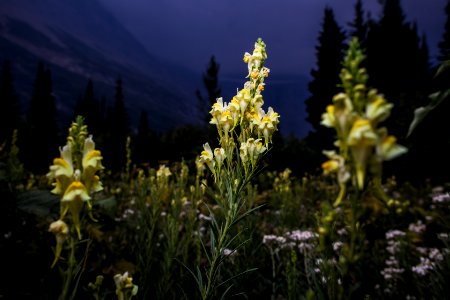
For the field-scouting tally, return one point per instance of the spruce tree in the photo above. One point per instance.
(359, 25)
(9, 104)
(325, 79)
(41, 145)
(397, 61)
(146, 143)
(119, 131)
(211, 84)
(430, 148)
(444, 44)
(88, 107)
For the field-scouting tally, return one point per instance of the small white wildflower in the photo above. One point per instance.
(418, 227)
(441, 198)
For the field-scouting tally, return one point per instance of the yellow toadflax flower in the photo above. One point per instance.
(362, 138)
(377, 109)
(387, 147)
(61, 231)
(74, 176)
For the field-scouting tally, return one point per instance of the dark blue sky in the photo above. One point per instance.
(188, 32)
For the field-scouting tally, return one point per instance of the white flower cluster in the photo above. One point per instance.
(303, 240)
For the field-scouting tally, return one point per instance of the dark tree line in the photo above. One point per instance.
(398, 66)
(397, 62)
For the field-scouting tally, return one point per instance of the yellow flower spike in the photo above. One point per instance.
(163, 172)
(61, 231)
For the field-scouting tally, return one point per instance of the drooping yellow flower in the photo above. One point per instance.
(163, 171)
(328, 118)
(73, 200)
(387, 147)
(216, 111)
(343, 113)
(377, 108)
(362, 139)
(362, 133)
(61, 231)
(125, 288)
(243, 97)
(207, 157)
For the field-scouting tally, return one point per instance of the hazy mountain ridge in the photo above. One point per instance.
(81, 40)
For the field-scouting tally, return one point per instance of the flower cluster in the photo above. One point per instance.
(125, 289)
(303, 240)
(74, 177)
(355, 115)
(392, 270)
(245, 116)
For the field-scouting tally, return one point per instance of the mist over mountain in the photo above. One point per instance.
(80, 40)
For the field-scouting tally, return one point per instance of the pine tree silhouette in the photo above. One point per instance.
(143, 143)
(359, 26)
(88, 107)
(397, 61)
(9, 104)
(211, 84)
(41, 145)
(322, 88)
(119, 130)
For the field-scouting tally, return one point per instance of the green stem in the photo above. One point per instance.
(69, 273)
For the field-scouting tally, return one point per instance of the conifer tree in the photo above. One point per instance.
(88, 107)
(211, 84)
(444, 44)
(146, 143)
(42, 138)
(325, 77)
(359, 25)
(119, 130)
(397, 60)
(430, 147)
(9, 104)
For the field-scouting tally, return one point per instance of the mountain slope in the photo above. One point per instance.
(80, 40)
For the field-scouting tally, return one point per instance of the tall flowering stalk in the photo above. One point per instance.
(356, 114)
(74, 176)
(245, 132)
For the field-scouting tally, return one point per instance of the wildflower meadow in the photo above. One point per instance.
(225, 225)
